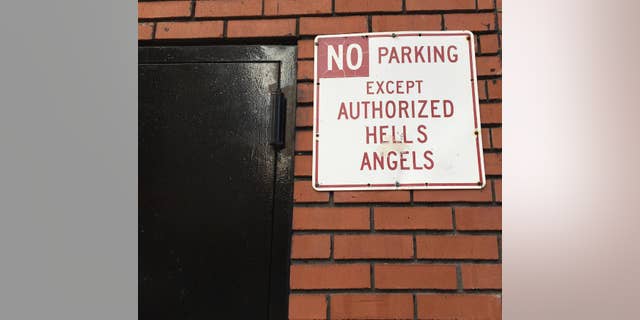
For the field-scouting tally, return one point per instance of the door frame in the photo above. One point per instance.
(283, 180)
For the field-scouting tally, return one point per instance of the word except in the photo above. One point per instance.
(396, 109)
(394, 87)
(418, 54)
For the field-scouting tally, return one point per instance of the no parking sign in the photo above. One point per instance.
(396, 111)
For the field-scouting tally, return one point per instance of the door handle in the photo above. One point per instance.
(278, 118)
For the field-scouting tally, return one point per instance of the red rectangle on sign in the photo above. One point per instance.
(343, 57)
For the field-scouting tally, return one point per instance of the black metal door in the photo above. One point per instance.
(214, 195)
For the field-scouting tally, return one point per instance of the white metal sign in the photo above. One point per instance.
(396, 111)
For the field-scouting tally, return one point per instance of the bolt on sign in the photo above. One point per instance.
(396, 111)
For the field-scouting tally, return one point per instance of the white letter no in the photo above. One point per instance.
(335, 56)
(358, 63)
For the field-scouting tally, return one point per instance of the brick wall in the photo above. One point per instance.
(374, 254)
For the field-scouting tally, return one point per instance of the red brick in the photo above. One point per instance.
(499, 4)
(261, 28)
(371, 306)
(485, 4)
(304, 192)
(302, 166)
(315, 246)
(489, 65)
(331, 25)
(304, 117)
(296, 7)
(352, 218)
(470, 21)
(456, 247)
(482, 90)
(228, 8)
(472, 195)
(486, 138)
(305, 92)
(459, 306)
(307, 306)
(305, 70)
(145, 31)
(496, 137)
(406, 22)
(415, 5)
(493, 163)
(189, 30)
(305, 49)
(497, 185)
(481, 276)
(414, 218)
(495, 88)
(372, 246)
(350, 6)
(489, 43)
(479, 218)
(164, 9)
(304, 140)
(415, 276)
(491, 113)
(330, 276)
(370, 196)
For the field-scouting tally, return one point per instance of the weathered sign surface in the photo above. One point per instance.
(396, 111)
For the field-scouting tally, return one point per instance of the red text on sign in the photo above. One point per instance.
(392, 109)
(397, 160)
(418, 54)
(394, 87)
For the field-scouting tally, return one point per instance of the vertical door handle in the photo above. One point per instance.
(278, 118)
